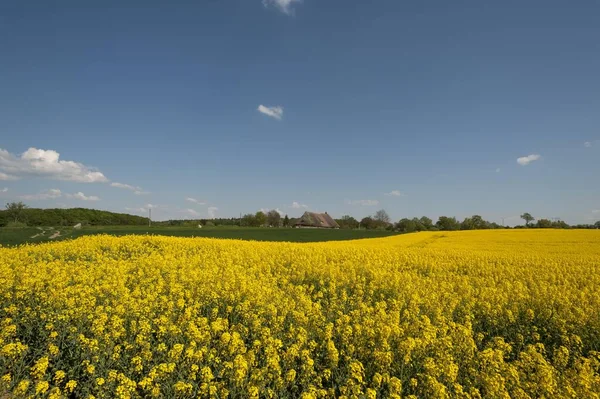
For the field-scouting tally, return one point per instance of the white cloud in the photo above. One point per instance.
(143, 209)
(497, 170)
(523, 161)
(137, 210)
(81, 196)
(192, 212)
(588, 144)
(195, 201)
(137, 190)
(125, 186)
(266, 210)
(212, 211)
(46, 163)
(596, 211)
(4, 176)
(45, 195)
(273, 112)
(394, 193)
(4, 190)
(367, 202)
(297, 205)
(285, 6)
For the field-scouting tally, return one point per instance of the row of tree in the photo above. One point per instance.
(381, 220)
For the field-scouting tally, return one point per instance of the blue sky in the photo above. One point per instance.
(224, 107)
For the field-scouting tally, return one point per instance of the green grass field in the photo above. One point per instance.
(16, 236)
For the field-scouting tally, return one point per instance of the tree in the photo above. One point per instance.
(406, 225)
(527, 218)
(447, 223)
(426, 222)
(286, 221)
(273, 218)
(249, 220)
(382, 217)
(347, 222)
(478, 222)
(368, 223)
(15, 210)
(467, 224)
(418, 225)
(597, 224)
(261, 218)
(543, 224)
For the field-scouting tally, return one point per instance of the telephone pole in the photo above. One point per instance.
(149, 216)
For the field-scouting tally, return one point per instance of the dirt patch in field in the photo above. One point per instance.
(55, 235)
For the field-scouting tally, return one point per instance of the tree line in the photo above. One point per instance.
(18, 214)
(381, 220)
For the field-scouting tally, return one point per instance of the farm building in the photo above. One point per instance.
(317, 220)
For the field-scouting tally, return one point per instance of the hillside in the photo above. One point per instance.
(72, 216)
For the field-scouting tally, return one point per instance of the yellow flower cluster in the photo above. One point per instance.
(476, 314)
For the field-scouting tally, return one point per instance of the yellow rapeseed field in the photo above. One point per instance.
(477, 314)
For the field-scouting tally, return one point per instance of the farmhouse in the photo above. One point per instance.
(317, 220)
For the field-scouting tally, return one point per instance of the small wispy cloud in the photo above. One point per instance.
(497, 170)
(367, 202)
(523, 161)
(285, 6)
(81, 196)
(212, 212)
(44, 195)
(273, 112)
(192, 212)
(587, 144)
(195, 201)
(267, 210)
(7, 177)
(297, 205)
(394, 193)
(4, 190)
(137, 190)
(143, 209)
(125, 186)
(137, 210)
(596, 211)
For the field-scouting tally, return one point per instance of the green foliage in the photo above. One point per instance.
(347, 222)
(426, 222)
(249, 220)
(261, 218)
(14, 211)
(273, 218)
(16, 225)
(69, 217)
(406, 226)
(447, 223)
(543, 224)
(527, 218)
